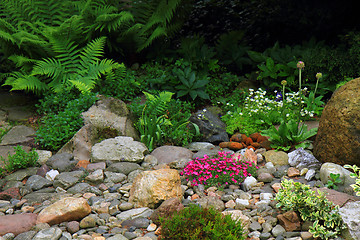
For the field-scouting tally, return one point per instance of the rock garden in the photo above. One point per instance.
(115, 188)
(179, 120)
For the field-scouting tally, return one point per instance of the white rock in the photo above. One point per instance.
(270, 166)
(266, 196)
(350, 214)
(44, 155)
(242, 203)
(310, 174)
(152, 227)
(249, 182)
(328, 168)
(50, 175)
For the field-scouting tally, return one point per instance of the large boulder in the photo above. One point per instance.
(150, 188)
(107, 118)
(211, 127)
(119, 149)
(64, 210)
(338, 137)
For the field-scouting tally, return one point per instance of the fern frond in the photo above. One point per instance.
(92, 52)
(20, 60)
(25, 82)
(50, 67)
(113, 21)
(102, 67)
(82, 85)
(157, 33)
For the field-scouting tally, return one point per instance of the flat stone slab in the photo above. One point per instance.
(338, 198)
(17, 135)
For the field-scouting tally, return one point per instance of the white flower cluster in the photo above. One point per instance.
(258, 103)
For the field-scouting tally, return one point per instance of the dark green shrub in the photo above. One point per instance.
(19, 160)
(58, 128)
(196, 223)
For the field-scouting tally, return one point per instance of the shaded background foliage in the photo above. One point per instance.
(268, 21)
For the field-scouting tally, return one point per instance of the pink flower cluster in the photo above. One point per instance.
(224, 169)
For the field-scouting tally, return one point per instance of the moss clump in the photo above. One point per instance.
(195, 222)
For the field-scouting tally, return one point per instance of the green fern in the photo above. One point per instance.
(71, 67)
(156, 19)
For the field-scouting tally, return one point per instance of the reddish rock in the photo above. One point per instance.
(290, 221)
(249, 141)
(166, 209)
(255, 136)
(338, 198)
(82, 164)
(276, 187)
(250, 156)
(64, 210)
(266, 144)
(338, 136)
(17, 223)
(10, 193)
(293, 172)
(231, 145)
(238, 137)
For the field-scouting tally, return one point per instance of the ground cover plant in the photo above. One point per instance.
(195, 222)
(19, 160)
(312, 206)
(218, 171)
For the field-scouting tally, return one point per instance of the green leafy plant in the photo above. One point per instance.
(56, 128)
(21, 159)
(355, 174)
(164, 120)
(70, 68)
(218, 171)
(333, 181)
(312, 206)
(290, 134)
(271, 71)
(195, 222)
(191, 86)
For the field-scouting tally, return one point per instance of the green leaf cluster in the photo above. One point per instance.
(355, 174)
(195, 222)
(21, 159)
(312, 206)
(334, 179)
(289, 134)
(57, 128)
(164, 120)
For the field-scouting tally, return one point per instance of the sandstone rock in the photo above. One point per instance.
(67, 209)
(276, 157)
(17, 223)
(168, 154)
(265, 177)
(166, 209)
(213, 130)
(338, 137)
(293, 172)
(88, 222)
(119, 149)
(151, 187)
(250, 155)
(290, 221)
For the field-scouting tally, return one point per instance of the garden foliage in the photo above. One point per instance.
(195, 222)
(311, 206)
(21, 159)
